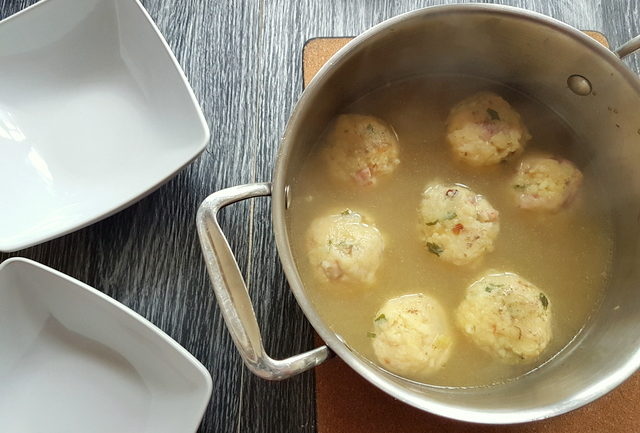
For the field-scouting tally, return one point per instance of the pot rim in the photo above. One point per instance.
(590, 392)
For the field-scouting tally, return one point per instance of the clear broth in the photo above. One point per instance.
(567, 254)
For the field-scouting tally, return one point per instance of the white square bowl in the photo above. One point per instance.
(95, 113)
(73, 360)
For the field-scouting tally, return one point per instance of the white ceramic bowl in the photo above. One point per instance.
(95, 113)
(74, 360)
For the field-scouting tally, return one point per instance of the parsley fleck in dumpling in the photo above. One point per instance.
(361, 149)
(506, 316)
(546, 183)
(345, 248)
(484, 130)
(457, 225)
(411, 335)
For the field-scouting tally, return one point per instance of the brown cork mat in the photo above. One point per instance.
(346, 403)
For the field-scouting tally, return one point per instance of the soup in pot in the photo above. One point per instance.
(451, 230)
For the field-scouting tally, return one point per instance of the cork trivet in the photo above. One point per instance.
(346, 403)
(316, 52)
(598, 37)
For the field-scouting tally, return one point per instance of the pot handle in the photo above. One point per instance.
(232, 294)
(628, 47)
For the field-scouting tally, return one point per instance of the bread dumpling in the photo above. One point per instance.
(359, 149)
(545, 183)
(506, 316)
(484, 129)
(345, 248)
(411, 335)
(457, 225)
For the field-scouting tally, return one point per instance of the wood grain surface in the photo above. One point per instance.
(243, 59)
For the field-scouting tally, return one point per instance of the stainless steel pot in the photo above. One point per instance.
(581, 80)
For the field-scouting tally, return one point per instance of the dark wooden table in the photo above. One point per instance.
(243, 61)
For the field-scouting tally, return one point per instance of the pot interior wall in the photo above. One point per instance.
(535, 56)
